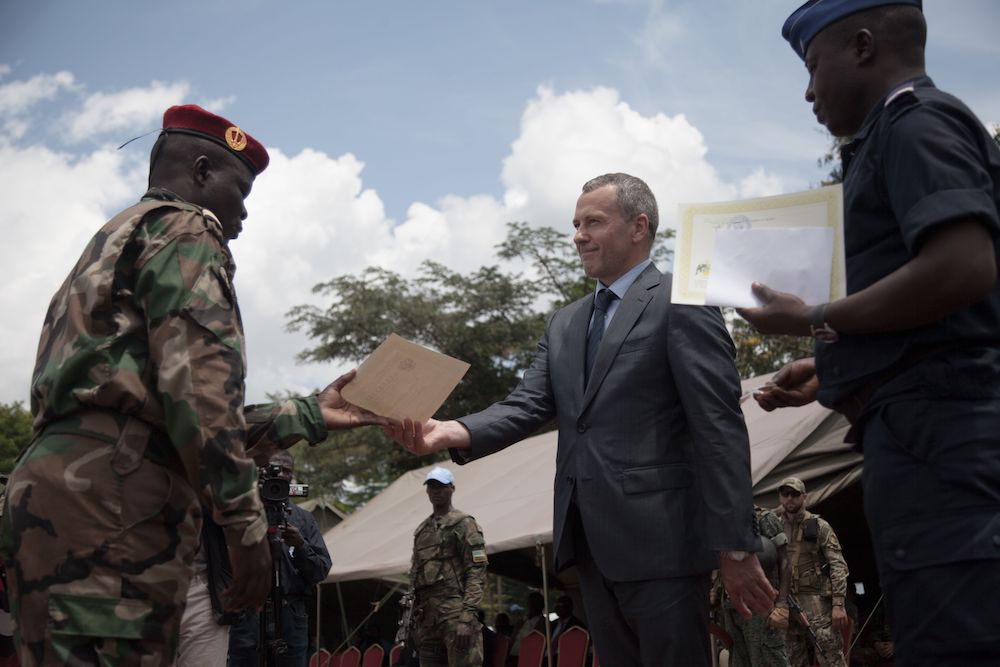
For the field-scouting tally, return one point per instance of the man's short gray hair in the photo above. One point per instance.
(633, 195)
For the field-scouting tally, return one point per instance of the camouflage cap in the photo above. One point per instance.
(793, 483)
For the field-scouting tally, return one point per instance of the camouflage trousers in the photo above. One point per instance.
(98, 546)
(436, 639)
(818, 608)
(754, 643)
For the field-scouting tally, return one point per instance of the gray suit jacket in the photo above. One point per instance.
(653, 451)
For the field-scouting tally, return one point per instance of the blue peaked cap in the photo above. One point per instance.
(808, 20)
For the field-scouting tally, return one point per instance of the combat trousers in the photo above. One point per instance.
(818, 609)
(755, 644)
(436, 639)
(98, 546)
(932, 500)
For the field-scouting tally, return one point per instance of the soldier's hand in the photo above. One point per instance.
(885, 649)
(463, 636)
(747, 586)
(429, 437)
(251, 576)
(839, 618)
(778, 619)
(794, 385)
(339, 414)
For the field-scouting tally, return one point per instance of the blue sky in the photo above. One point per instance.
(403, 131)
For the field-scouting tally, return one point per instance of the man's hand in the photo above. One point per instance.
(781, 313)
(339, 414)
(292, 537)
(748, 588)
(251, 576)
(463, 636)
(794, 385)
(429, 437)
(778, 619)
(839, 617)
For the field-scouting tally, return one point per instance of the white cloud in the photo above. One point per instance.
(53, 203)
(760, 183)
(17, 97)
(312, 218)
(219, 104)
(4, 70)
(135, 108)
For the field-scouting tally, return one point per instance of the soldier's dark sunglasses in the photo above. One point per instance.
(791, 493)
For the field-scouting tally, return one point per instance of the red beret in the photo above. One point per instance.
(192, 119)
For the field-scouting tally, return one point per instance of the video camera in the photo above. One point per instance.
(275, 492)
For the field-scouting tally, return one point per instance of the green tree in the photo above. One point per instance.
(15, 433)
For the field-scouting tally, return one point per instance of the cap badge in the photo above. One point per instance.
(236, 138)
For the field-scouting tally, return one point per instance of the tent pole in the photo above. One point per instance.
(343, 613)
(540, 549)
(319, 612)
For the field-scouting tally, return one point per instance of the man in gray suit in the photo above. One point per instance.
(653, 465)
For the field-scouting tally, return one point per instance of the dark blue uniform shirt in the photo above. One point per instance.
(920, 160)
(307, 565)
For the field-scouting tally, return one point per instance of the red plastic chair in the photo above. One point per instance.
(373, 656)
(595, 663)
(320, 658)
(721, 634)
(394, 654)
(531, 650)
(351, 657)
(333, 660)
(501, 645)
(573, 647)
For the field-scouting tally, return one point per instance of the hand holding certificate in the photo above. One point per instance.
(403, 380)
(791, 243)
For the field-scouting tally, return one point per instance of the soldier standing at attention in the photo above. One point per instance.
(819, 580)
(448, 576)
(139, 422)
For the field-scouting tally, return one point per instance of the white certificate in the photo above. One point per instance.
(402, 379)
(793, 243)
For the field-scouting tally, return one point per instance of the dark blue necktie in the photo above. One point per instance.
(601, 303)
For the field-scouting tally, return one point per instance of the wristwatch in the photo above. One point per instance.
(736, 556)
(819, 329)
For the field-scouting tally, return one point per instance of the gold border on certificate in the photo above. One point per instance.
(819, 207)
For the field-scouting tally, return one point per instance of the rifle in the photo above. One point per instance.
(796, 608)
(406, 620)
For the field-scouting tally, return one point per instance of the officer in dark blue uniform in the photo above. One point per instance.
(912, 354)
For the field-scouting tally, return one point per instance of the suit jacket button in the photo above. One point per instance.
(581, 428)
(900, 554)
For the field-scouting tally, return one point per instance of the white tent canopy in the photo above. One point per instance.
(510, 492)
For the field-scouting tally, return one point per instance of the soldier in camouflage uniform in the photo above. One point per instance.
(448, 575)
(760, 641)
(137, 398)
(819, 580)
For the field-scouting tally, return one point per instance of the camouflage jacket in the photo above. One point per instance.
(818, 565)
(770, 527)
(449, 564)
(145, 335)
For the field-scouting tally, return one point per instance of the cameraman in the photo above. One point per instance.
(305, 563)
